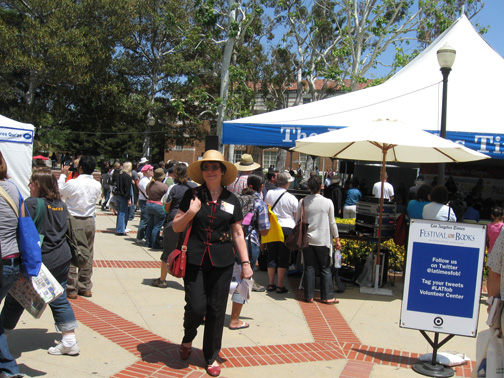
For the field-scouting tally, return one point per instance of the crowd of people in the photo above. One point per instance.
(226, 209)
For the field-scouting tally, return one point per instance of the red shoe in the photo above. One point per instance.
(213, 370)
(184, 352)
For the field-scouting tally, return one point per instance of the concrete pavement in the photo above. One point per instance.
(132, 329)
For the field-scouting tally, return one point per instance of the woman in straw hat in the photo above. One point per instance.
(216, 215)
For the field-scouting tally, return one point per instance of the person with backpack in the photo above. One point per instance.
(255, 223)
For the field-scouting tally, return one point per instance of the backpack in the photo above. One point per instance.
(105, 181)
(249, 217)
(401, 231)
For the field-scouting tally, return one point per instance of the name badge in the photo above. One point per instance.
(227, 207)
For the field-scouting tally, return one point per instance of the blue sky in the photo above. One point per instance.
(493, 15)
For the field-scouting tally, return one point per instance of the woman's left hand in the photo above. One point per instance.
(247, 271)
(337, 244)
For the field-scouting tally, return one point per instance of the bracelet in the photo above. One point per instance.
(245, 262)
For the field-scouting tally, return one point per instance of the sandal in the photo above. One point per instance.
(184, 352)
(213, 370)
(158, 283)
(281, 290)
(308, 300)
(272, 287)
(330, 301)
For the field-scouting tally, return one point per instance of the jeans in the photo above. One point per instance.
(8, 364)
(142, 226)
(156, 216)
(317, 256)
(131, 213)
(106, 193)
(253, 252)
(64, 318)
(122, 214)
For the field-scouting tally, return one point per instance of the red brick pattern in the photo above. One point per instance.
(333, 340)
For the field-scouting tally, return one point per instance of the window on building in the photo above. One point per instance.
(269, 158)
(306, 100)
(179, 146)
(238, 154)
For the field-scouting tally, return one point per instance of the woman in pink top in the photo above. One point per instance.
(494, 228)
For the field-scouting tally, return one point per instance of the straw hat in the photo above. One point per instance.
(195, 173)
(335, 179)
(159, 174)
(247, 163)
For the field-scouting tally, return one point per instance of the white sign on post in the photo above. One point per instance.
(443, 277)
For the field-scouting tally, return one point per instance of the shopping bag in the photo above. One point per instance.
(35, 293)
(495, 357)
(275, 233)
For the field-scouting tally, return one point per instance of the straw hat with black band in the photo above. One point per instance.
(195, 173)
(247, 163)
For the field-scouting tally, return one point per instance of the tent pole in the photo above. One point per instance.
(378, 244)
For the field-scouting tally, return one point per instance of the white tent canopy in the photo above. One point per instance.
(16, 144)
(475, 115)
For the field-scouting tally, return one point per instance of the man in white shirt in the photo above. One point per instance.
(388, 189)
(148, 172)
(80, 195)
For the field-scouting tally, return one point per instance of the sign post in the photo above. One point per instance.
(443, 283)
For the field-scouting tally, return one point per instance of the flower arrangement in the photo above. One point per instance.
(354, 252)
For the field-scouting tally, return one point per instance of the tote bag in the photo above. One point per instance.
(29, 244)
(275, 233)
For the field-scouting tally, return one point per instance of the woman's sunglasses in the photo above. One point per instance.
(210, 167)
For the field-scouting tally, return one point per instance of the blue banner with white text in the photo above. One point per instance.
(285, 136)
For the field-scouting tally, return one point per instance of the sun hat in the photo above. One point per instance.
(247, 163)
(290, 176)
(143, 160)
(195, 173)
(159, 174)
(335, 179)
(146, 167)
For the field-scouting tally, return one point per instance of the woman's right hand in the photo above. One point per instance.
(195, 205)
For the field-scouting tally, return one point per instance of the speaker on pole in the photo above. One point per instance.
(211, 142)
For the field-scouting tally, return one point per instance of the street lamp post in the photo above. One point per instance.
(446, 57)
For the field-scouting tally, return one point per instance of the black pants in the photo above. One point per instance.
(206, 295)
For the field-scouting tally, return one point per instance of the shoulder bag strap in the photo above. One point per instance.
(186, 240)
(302, 217)
(39, 214)
(278, 199)
(9, 200)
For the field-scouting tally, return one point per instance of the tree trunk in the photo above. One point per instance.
(280, 160)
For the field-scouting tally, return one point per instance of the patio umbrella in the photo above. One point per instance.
(40, 157)
(386, 141)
